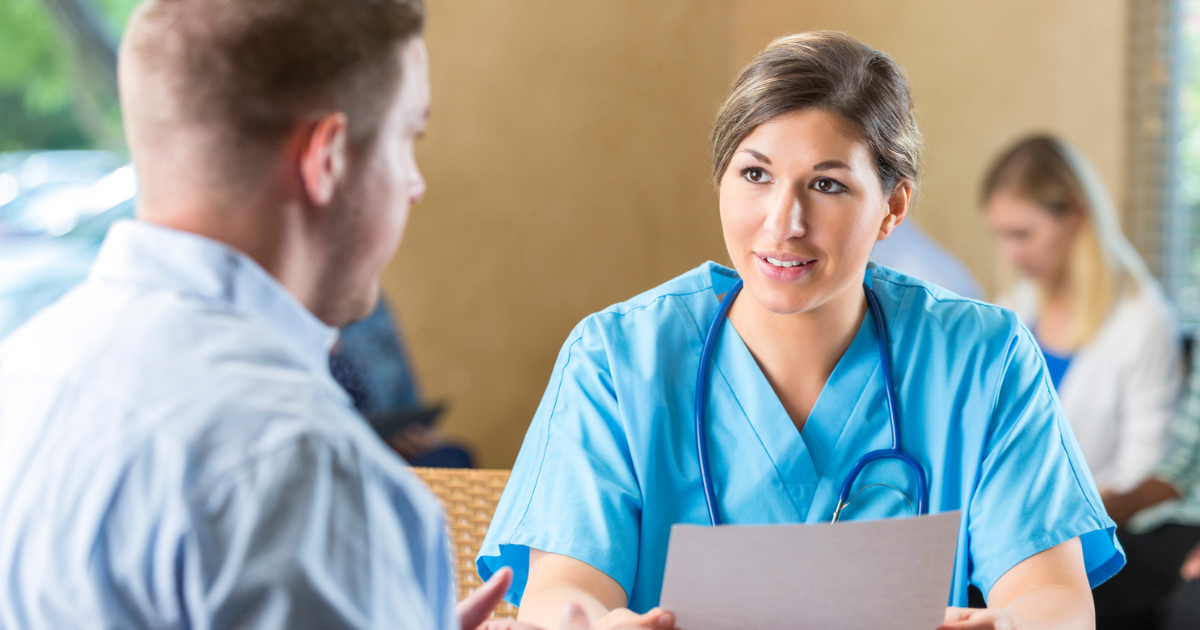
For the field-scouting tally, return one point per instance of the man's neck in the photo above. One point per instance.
(272, 235)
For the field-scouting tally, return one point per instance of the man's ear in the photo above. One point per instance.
(898, 204)
(323, 158)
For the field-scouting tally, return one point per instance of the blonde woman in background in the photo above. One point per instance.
(816, 155)
(1106, 331)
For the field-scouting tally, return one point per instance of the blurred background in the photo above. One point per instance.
(567, 157)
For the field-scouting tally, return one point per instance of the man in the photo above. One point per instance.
(173, 450)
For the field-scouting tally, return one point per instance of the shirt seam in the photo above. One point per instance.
(946, 299)
(512, 531)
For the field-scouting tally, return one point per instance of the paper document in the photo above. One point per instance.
(873, 574)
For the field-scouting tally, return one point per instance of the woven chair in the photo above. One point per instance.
(469, 498)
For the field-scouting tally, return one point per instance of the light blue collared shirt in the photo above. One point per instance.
(174, 453)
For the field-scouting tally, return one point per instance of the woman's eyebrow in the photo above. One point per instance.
(756, 154)
(830, 165)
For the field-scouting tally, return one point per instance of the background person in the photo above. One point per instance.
(815, 156)
(1159, 527)
(173, 449)
(1100, 319)
(909, 250)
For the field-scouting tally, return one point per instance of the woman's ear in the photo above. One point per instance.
(323, 158)
(897, 206)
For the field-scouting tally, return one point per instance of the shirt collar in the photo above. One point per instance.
(152, 256)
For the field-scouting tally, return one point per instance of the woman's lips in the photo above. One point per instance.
(784, 267)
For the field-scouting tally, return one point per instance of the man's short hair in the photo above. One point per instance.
(252, 70)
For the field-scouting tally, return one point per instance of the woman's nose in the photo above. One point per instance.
(785, 218)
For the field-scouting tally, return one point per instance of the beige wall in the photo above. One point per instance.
(566, 164)
(567, 157)
(982, 73)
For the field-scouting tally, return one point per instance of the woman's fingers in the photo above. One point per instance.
(478, 606)
(977, 619)
(664, 619)
(506, 624)
(623, 618)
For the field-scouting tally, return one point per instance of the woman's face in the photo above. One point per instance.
(801, 208)
(1032, 239)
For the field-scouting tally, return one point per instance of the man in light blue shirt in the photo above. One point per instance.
(173, 450)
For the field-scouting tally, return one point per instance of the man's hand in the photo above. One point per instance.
(978, 619)
(575, 618)
(474, 611)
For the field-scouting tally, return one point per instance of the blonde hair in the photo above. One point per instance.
(831, 71)
(1103, 265)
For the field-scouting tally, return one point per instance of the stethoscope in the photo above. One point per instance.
(710, 494)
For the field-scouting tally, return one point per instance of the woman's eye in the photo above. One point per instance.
(755, 175)
(830, 186)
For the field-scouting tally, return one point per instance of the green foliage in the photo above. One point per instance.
(1189, 109)
(41, 96)
(33, 61)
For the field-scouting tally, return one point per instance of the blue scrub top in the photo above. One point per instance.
(609, 463)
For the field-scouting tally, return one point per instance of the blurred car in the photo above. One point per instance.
(55, 208)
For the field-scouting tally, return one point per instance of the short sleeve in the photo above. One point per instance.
(314, 536)
(573, 489)
(1034, 490)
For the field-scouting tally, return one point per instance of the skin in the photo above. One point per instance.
(321, 220)
(1038, 244)
(1121, 506)
(803, 185)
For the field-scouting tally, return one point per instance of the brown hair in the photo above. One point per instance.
(254, 69)
(1036, 168)
(830, 71)
(1103, 266)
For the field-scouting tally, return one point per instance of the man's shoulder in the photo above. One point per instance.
(214, 387)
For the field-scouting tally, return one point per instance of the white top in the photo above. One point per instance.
(1122, 388)
(175, 454)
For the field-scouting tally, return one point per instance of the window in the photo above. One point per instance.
(57, 74)
(1181, 242)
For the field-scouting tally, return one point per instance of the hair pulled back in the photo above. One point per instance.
(834, 72)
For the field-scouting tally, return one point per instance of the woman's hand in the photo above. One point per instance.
(978, 619)
(575, 618)
(1191, 565)
(1121, 506)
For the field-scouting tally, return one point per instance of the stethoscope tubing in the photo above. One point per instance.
(895, 452)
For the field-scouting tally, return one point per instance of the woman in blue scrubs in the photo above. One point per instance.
(815, 155)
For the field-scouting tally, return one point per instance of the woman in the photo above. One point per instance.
(815, 158)
(1099, 317)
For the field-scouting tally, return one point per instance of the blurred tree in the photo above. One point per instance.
(54, 91)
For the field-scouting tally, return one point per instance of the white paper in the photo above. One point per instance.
(874, 574)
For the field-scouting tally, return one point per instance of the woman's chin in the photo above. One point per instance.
(780, 302)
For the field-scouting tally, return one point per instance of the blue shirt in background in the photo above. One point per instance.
(175, 453)
(1056, 365)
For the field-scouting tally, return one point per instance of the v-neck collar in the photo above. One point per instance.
(799, 458)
